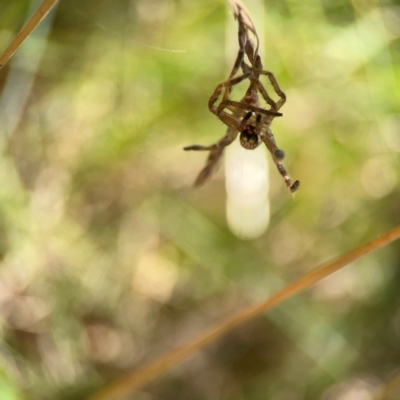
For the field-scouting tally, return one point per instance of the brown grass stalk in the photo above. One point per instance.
(141, 376)
(33, 22)
(390, 390)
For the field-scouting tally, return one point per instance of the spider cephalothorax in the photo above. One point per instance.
(249, 138)
(250, 133)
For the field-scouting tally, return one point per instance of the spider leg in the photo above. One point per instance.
(236, 111)
(226, 140)
(225, 102)
(244, 19)
(255, 80)
(250, 50)
(246, 106)
(212, 164)
(258, 124)
(277, 156)
(216, 153)
(266, 96)
(256, 86)
(274, 84)
(269, 141)
(217, 92)
(243, 38)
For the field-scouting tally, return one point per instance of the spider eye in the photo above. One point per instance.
(249, 139)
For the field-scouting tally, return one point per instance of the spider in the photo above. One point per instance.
(246, 117)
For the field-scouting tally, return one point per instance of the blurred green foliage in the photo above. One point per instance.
(109, 258)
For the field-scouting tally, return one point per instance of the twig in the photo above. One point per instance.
(143, 375)
(34, 21)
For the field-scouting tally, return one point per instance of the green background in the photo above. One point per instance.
(109, 258)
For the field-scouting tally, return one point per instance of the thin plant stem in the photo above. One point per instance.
(141, 376)
(389, 389)
(33, 22)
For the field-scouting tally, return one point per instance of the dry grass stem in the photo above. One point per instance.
(147, 373)
(390, 390)
(34, 21)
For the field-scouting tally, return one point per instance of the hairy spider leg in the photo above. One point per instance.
(275, 85)
(255, 85)
(256, 65)
(247, 106)
(225, 141)
(218, 90)
(246, 46)
(242, 38)
(258, 123)
(257, 69)
(277, 156)
(268, 139)
(252, 96)
(216, 151)
(256, 74)
(244, 19)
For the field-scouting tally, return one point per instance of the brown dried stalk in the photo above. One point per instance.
(33, 22)
(389, 390)
(143, 375)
